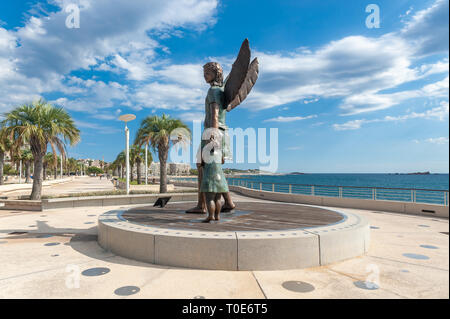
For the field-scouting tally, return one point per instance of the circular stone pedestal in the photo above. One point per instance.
(257, 236)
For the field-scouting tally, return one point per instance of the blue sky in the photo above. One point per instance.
(345, 98)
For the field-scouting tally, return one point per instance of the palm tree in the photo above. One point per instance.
(72, 165)
(149, 159)
(120, 162)
(55, 162)
(27, 157)
(158, 131)
(5, 146)
(48, 161)
(136, 158)
(15, 158)
(41, 124)
(114, 168)
(102, 165)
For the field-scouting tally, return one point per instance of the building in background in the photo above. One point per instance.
(173, 169)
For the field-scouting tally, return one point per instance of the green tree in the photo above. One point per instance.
(5, 146)
(47, 162)
(160, 132)
(8, 170)
(72, 166)
(120, 162)
(41, 124)
(27, 158)
(55, 163)
(136, 158)
(94, 170)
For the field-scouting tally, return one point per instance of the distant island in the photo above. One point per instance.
(419, 173)
(416, 173)
(296, 173)
(240, 171)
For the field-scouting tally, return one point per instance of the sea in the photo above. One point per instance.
(427, 181)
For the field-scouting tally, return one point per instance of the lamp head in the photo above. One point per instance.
(127, 117)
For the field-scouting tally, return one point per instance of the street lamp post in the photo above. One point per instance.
(146, 165)
(20, 172)
(127, 118)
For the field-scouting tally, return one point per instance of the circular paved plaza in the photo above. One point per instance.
(41, 252)
(248, 216)
(257, 236)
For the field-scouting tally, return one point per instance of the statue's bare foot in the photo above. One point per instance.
(216, 216)
(207, 220)
(196, 210)
(227, 208)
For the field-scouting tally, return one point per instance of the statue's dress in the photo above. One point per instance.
(213, 179)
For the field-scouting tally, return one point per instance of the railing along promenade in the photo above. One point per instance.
(413, 195)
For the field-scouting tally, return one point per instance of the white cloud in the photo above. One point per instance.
(440, 113)
(433, 140)
(351, 125)
(434, 68)
(136, 71)
(437, 113)
(372, 101)
(191, 116)
(92, 96)
(7, 41)
(169, 96)
(341, 68)
(35, 59)
(98, 128)
(106, 30)
(438, 140)
(356, 69)
(310, 101)
(428, 29)
(283, 119)
(190, 75)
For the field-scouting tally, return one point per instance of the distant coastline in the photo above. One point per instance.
(416, 173)
(258, 172)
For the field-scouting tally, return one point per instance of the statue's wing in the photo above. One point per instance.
(238, 72)
(246, 86)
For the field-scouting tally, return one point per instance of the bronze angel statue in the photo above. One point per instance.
(222, 97)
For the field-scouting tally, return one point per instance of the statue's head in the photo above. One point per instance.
(213, 73)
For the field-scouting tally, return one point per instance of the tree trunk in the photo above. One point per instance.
(162, 154)
(131, 172)
(37, 178)
(56, 173)
(44, 175)
(27, 172)
(2, 162)
(138, 171)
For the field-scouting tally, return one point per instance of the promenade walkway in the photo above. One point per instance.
(42, 253)
(67, 185)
